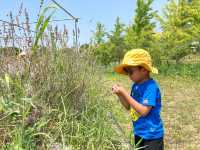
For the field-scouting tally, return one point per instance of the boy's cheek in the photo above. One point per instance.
(133, 78)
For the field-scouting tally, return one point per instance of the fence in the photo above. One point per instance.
(18, 31)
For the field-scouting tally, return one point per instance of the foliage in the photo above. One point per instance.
(139, 33)
(179, 35)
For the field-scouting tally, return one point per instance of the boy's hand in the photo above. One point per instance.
(118, 89)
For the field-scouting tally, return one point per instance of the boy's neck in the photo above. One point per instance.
(143, 80)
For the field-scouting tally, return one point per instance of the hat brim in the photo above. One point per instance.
(120, 68)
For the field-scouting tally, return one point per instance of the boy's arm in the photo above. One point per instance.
(127, 101)
(115, 90)
(124, 102)
(141, 109)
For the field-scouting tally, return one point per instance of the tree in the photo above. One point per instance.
(116, 41)
(140, 33)
(99, 44)
(109, 47)
(180, 26)
(99, 35)
(195, 24)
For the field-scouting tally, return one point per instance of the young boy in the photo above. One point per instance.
(144, 102)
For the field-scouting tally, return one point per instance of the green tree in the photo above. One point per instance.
(109, 47)
(180, 25)
(195, 24)
(140, 32)
(99, 45)
(99, 35)
(116, 41)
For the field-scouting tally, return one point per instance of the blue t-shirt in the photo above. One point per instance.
(150, 126)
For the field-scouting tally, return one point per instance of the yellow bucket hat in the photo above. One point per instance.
(136, 57)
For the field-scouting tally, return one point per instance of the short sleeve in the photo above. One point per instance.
(132, 89)
(149, 96)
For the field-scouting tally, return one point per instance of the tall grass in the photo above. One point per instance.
(53, 98)
(56, 100)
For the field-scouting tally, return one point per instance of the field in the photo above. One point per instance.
(57, 96)
(180, 112)
(82, 108)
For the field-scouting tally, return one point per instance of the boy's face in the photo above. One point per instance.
(137, 74)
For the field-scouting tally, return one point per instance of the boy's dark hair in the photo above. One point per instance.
(139, 67)
(125, 68)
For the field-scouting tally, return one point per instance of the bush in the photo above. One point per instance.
(56, 101)
(184, 70)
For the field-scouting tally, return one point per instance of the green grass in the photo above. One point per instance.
(63, 101)
(182, 70)
(56, 101)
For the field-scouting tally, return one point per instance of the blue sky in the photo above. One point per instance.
(89, 11)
